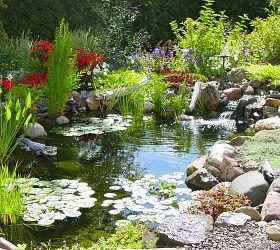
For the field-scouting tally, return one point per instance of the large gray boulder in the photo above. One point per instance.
(252, 184)
(230, 219)
(201, 179)
(185, 229)
(35, 130)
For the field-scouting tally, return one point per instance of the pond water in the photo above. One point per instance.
(147, 147)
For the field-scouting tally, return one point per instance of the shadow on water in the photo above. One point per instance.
(154, 147)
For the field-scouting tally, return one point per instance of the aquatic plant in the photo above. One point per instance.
(12, 199)
(62, 73)
(216, 202)
(12, 118)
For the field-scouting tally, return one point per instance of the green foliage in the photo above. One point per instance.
(61, 74)
(12, 201)
(12, 118)
(264, 73)
(216, 202)
(262, 146)
(163, 189)
(15, 54)
(264, 41)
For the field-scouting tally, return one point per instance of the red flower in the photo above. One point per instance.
(7, 84)
(42, 48)
(86, 59)
(35, 79)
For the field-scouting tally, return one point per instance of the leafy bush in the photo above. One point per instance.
(216, 202)
(263, 73)
(264, 41)
(12, 118)
(61, 74)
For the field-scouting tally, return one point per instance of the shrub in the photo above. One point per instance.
(61, 74)
(216, 202)
(264, 41)
(12, 118)
(264, 73)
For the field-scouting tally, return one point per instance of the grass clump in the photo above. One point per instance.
(62, 73)
(264, 73)
(264, 145)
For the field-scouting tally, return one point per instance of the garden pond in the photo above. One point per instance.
(111, 170)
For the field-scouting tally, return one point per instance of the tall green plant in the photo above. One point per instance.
(12, 118)
(62, 73)
(12, 200)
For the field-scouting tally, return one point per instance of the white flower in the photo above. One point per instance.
(88, 73)
(10, 77)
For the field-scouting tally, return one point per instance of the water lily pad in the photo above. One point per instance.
(110, 195)
(115, 188)
(45, 222)
(114, 212)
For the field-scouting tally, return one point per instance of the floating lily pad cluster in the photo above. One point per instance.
(49, 201)
(144, 204)
(98, 126)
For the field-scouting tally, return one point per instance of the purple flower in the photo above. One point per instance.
(246, 52)
(200, 58)
(171, 53)
(190, 52)
(195, 62)
(188, 58)
(163, 52)
(116, 55)
(157, 52)
(133, 8)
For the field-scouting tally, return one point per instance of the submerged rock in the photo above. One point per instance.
(38, 148)
(185, 229)
(35, 130)
(201, 179)
(252, 184)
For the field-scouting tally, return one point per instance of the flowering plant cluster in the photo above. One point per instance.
(216, 202)
(177, 76)
(42, 50)
(35, 80)
(87, 59)
(7, 84)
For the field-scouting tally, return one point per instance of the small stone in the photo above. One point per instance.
(273, 232)
(255, 84)
(249, 91)
(250, 211)
(62, 120)
(236, 75)
(269, 111)
(251, 165)
(238, 141)
(268, 124)
(272, 102)
(35, 130)
(233, 93)
(93, 104)
(184, 118)
(230, 219)
(148, 107)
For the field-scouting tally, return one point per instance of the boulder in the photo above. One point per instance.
(271, 207)
(238, 141)
(252, 184)
(233, 93)
(230, 219)
(62, 120)
(217, 152)
(256, 84)
(229, 169)
(201, 179)
(241, 106)
(268, 124)
(148, 107)
(35, 130)
(236, 75)
(249, 90)
(210, 96)
(185, 229)
(268, 172)
(93, 104)
(250, 211)
(251, 165)
(272, 102)
(273, 232)
(196, 164)
(212, 170)
(275, 186)
(274, 94)
(269, 111)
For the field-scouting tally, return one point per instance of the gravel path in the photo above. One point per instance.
(250, 237)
